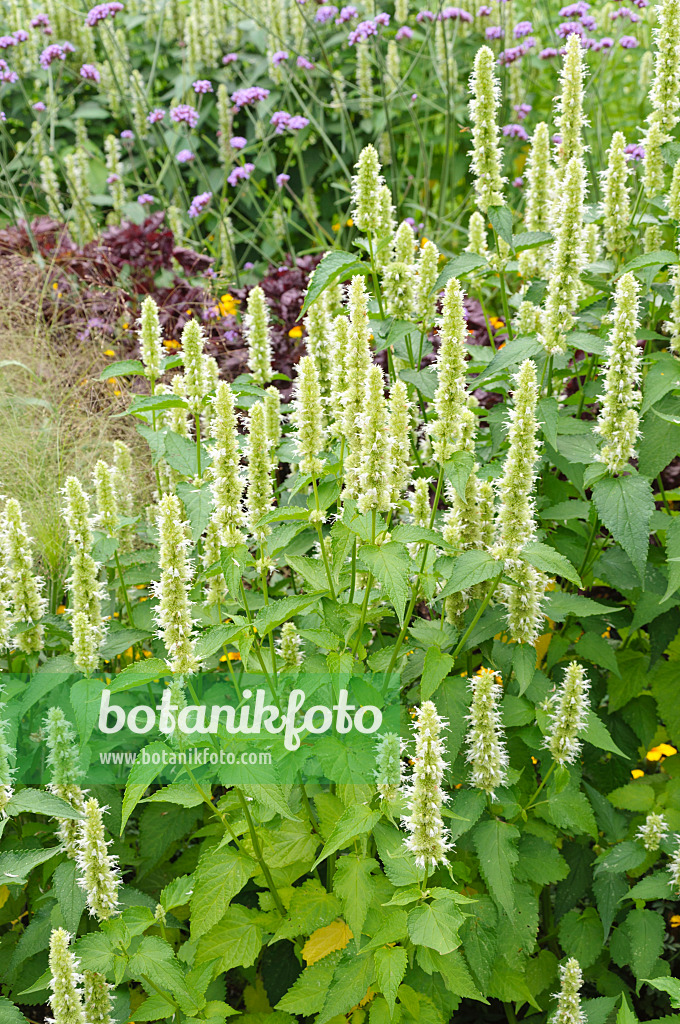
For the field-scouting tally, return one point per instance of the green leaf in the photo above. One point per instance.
(236, 941)
(462, 264)
(95, 952)
(669, 985)
(198, 504)
(233, 561)
(153, 403)
(140, 778)
(335, 266)
(424, 380)
(399, 866)
(581, 935)
(673, 556)
(16, 867)
(636, 796)
(156, 1007)
(409, 533)
(355, 885)
(664, 684)
(350, 984)
(287, 514)
(312, 571)
(660, 258)
(357, 820)
(181, 455)
(560, 604)
(651, 887)
(138, 673)
(437, 666)
(609, 888)
(495, 842)
(311, 907)
(471, 567)
(645, 931)
(596, 732)
(9, 1013)
(278, 612)
(531, 240)
(598, 650)
(307, 995)
(436, 925)
(391, 565)
(625, 505)
(70, 897)
(545, 558)
(457, 471)
(214, 638)
(123, 368)
(524, 666)
(501, 221)
(663, 376)
(390, 968)
(155, 959)
(38, 801)
(177, 892)
(119, 640)
(221, 874)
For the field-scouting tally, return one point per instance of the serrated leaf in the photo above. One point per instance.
(645, 931)
(581, 935)
(119, 640)
(139, 673)
(70, 897)
(122, 368)
(181, 455)
(214, 638)
(221, 874)
(390, 968)
(596, 732)
(335, 266)
(437, 666)
(235, 941)
(9, 1013)
(329, 939)
(278, 612)
(355, 885)
(560, 604)
(350, 985)
(625, 505)
(198, 504)
(545, 558)
(16, 867)
(471, 567)
(531, 240)
(154, 959)
(671, 986)
(357, 820)
(457, 471)
(436, 925)
(140, 778)
(391, 565)
(308, 993)
(38, 801)
(462, 264)
(495, 842)
(501, 221)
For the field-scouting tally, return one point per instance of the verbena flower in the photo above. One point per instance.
(289, 646)
(451, 397)
(616, 201)
(515, 524)
(62, 758)
(427, 272)
(653, 831)
(99, 877)
(97, 998)
(309, 434)
(569, 119)
(366, 185)
(25, 588)
(428, 839)
(618, 421)
(194, 376)
(485, 740)
(567, 259)
(388, 766)
(568, 715)
(260, 488)
(173, 613)
(85, 590)
(356, 369)
(486, 159)
(65, 996)
(150, 339)
(375, 464)
(400, 438)
(258, 337)
(568, 998)
(226, 481)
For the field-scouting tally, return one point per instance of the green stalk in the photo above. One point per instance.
(257, 849)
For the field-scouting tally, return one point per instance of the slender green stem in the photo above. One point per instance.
(319, 531)
(257, 850)
(480, 611)
(128, 606)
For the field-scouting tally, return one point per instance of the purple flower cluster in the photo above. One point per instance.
(202, 85)
(239, 174)
(127, 134)
(283, 121)
(199, 203)
(494, 32)
(281, 179)
(101, 11)
(484, 11)
(7, 41)
(363, 31)
(90, 72)
(548, 52)
(629, 42)
(185, 156)
(42, 21)
(569, 28)
(514, 53)
(280, 57)
(237, 142)
(145, 199)
(229, 58)
(156, 115)
(325, 13)
(3, 115)
(625, 12)
(522, 110)
(253, 94)
(302, 62)
(7, 75)
(424, 15)
(346, 14)
(515, 131)
(404, 33)
(522, 29)
(454, 14)
(55, 51)
(184, 113)
(575, 10)
(634, 151)
(39, 106)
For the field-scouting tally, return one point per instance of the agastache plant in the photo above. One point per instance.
(618, 421)
(6, 770)
(258, 336)
(173, 613)
(653, 831)
(486, 159)
(150, 340)
(226, 481)
(84, 587)
(366, 195)
(429, 838)
(569, 998)
(62, 759)
(25, 588)
(99, 876)
(570, 120)
(388, 766)
(568, 713)
(616, 202)
(97, 998)
(450, 398)
(485, 741)
(65, 981)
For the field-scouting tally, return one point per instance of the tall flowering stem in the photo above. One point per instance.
(616, 201)
(452, 412)
(226, 483)
(618, 422)
(570, 119)
(99, 876)
(62, 758)
(257, 336)
(85, 590)
(173, 614)
(568, 715)
(568, 998)
(567, 259)
(486, 154)
(486, 751)
(66, 994)
(428, 839)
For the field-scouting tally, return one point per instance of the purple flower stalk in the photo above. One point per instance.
(245, 97)
(240, 174)
(199, 203)
(302, 62)
(39, 106)
(185, 156)
(494, 32)
(404, 33)
(325, 13)
(515, 131)
(90, 72)
(346, 14)
(202, 85)
(363, 31)
(281, 179)
(156, 115)
(629, 42)
(280, 57)
(522, 29)
(145, 199)
(101, 11)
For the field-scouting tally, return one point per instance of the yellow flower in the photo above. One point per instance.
(227, 305)
(189, 312)
(336, 226)
(170, 343)
(295, 332)
(61, 609)
(637, 773)
(674, 921)
(125, 326)
(234, 656)
(349, 222)
(496, 322)
(109, 352)
(55, 286)
(663, 750)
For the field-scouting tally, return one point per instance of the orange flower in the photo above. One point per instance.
(295, 332)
